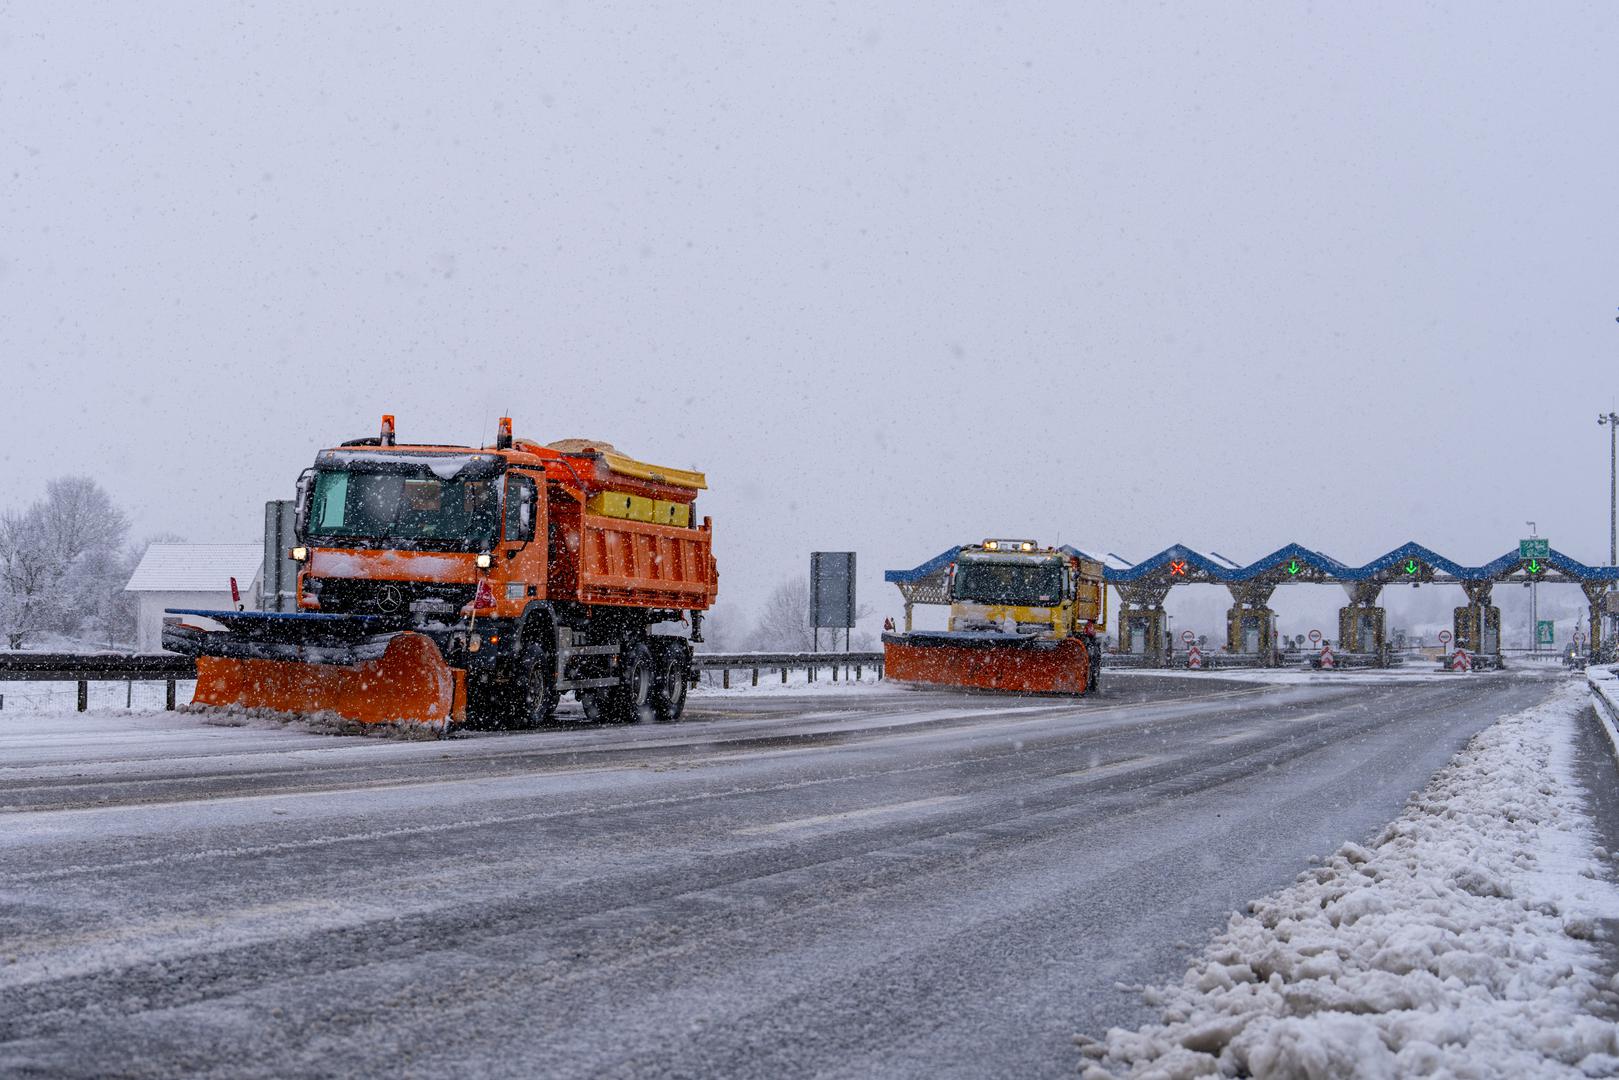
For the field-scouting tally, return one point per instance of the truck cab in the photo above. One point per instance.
(1018, 587)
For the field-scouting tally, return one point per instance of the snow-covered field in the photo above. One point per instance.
(1460, 942)
(36, 697)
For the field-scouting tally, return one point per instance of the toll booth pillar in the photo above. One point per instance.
(1478, 625)
(1362, 624)
(1250, 623)
(1141, 632)
(1252, 631)
(1362, 629)
(1602, 606)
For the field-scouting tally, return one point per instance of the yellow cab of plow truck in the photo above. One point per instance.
(1023, 619)
(443, 585)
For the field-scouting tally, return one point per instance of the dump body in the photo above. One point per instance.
(1022, 619)
(529, 571)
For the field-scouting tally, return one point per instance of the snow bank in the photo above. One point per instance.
(1605, 699)
(1459, 942)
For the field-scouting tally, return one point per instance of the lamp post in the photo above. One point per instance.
(1612, 422)
(1534, 600)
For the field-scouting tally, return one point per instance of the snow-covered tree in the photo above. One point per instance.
(62, 562)
(784, 624)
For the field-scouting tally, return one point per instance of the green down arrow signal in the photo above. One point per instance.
(1293, 567)
(1534, 566)
(1411, 566)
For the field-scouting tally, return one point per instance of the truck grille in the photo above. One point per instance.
(361, 596)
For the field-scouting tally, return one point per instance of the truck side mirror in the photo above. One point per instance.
(300, 517)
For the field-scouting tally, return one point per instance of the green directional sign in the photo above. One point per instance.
(1536, 548)
(1535, 566)
(1293, 566)
(1543, 632)
(1412, 566)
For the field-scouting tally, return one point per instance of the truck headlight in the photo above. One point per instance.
(299, 554)
(485, 562)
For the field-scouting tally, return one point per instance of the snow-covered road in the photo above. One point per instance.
(872, 882)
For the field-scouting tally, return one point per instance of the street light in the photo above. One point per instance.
(1612, 422)
(1534, 600)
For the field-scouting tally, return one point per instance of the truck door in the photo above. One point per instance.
(523, 533)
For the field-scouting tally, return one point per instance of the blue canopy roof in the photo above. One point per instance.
(1326, 567)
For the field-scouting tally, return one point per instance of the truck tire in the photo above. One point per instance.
(669, 690)
(632, 701)
(535, 695)
(637, 697)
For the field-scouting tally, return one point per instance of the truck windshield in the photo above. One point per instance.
(1025, 583)
(406, 510)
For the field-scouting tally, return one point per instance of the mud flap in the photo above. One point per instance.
(409, 683)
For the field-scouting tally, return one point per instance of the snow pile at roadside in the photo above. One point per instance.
(1605, 696)
(1457, 943)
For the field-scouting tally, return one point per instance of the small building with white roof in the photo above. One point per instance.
(191, 576)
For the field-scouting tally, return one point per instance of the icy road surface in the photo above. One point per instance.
(871, 882)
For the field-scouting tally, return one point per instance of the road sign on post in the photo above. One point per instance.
(1315, 636)
(1543, 632)
(831, 593)
(1537, 547)
(1444, 638)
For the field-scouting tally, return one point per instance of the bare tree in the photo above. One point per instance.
(28, 575)
(783, 624)
(60, 561)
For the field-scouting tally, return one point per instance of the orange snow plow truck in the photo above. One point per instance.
(449, 585)
(1023, 619)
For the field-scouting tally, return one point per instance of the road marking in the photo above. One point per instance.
(847, 815)
(1128, 764)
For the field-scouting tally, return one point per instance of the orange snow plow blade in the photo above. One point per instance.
(409, 683)
(988, 662)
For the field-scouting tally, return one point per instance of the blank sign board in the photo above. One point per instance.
(832, 589)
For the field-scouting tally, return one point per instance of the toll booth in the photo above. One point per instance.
(1361, 629)
(1251, 631)
(1141, 632)
(1478, 629)
(1362, 623)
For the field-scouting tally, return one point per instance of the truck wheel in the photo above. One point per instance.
(535, 696)
(669, 693)
(632, 700)
(637, 698)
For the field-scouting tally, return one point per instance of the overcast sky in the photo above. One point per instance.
(896, 277)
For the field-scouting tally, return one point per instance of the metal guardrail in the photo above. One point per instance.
(85, 668)
(851, 664)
